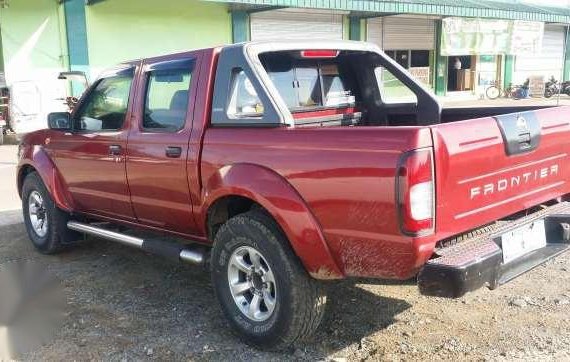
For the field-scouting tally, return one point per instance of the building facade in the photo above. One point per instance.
(40, 38)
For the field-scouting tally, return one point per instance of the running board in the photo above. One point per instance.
(170, 250)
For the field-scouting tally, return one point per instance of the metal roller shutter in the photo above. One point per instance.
(374, 31)
(409, 33)
(296, 24)
(549, 62)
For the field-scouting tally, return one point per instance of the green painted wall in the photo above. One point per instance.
(31, 39)
(120, 30)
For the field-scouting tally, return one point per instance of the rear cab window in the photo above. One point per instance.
(330, 87)
(309, 86)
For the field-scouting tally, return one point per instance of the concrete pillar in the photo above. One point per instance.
(76, 31)
(76, 35)
(240, 26)
(566, 76)
(440, 76)
(508, 71)
(354, 29)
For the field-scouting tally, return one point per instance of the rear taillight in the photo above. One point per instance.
(415, 197)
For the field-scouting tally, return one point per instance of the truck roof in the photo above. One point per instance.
(270, 45)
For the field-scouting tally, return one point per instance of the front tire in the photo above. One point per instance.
(263, 289)
(46, 224)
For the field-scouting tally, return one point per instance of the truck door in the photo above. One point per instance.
(91, 158)
(157, 148)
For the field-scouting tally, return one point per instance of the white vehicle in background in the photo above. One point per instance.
(31, 101)
(26, 108)
(3, 129)
(3, 113)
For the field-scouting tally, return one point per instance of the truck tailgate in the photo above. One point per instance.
(489, 168)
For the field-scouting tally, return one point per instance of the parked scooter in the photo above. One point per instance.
(551, 87)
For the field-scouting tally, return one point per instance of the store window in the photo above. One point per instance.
(419, 58)
(410, 58)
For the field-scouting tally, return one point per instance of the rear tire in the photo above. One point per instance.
(493, 92)
(45, 223)
(293, 303)
(516, 93)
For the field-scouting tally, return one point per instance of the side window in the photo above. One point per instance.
(166, 101)
(106, 106)
(243, 99)
(392, 90)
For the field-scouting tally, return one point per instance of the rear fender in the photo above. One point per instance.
(281, 200)
(37, 158)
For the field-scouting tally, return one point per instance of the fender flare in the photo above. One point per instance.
(40, 162)
(284, 204)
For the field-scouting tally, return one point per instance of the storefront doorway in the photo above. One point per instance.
(409, 40)
(460, 70)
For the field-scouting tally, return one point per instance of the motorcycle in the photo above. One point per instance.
(551, 88)
(565, 88)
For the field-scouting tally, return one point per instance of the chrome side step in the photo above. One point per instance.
(174, 251)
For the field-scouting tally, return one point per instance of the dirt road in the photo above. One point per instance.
(126, 305)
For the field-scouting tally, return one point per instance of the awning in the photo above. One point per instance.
(462, 8)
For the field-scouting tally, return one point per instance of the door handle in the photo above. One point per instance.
(115, 150)
(173, 152)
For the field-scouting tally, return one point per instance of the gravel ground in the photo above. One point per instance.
(126, 305)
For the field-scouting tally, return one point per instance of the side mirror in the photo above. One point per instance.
(59, 121)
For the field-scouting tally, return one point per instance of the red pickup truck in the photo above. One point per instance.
(281, 165)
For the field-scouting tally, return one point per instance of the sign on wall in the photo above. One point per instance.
(465, 36)
(421, 74)
(536, 85)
